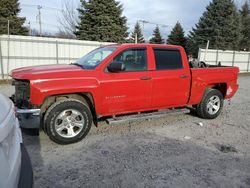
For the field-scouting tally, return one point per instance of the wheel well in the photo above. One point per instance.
(222, 87)
(84, 97)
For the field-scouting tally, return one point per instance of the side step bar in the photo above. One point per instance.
(141, 116)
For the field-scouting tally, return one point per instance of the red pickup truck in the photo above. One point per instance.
(117, 79)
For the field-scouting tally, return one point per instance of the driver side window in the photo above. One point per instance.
(134, 59)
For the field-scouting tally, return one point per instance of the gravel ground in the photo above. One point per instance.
(174, 151)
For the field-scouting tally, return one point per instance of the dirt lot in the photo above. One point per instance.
(174, 151)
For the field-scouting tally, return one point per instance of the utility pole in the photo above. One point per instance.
(143, 23)
(152, 23)
(8, 27)
(29, 28)
(136, 38)
(39, 7)
(165, 35)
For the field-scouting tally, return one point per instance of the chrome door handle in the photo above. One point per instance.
(145, 78)
(183, 76)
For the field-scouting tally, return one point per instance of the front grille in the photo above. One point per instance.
(22, 93)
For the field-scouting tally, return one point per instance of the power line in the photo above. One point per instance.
(52, 8)
(44, 7)
(44, 23)
(28, 5)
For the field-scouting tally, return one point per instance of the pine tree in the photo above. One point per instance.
(220, 24)
(245, 18)
(101, 20)
(9, 10)
(157, 38)
(138, 31)
(177, 36)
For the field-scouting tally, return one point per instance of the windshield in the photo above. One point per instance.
(95, 57)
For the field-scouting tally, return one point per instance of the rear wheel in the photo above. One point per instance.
(68, 121)
(211, 105)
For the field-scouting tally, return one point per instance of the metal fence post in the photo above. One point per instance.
(1, 59)
(8, 56)
(248, 62)
(233, 58)
(199, 54)
(217, 57)
(57, 60)
(69, 53)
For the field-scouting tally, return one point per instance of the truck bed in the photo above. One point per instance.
(213, 76)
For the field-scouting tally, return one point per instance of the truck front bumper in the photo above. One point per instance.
(29, 118)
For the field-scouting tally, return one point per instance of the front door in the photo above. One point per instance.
(129, 90)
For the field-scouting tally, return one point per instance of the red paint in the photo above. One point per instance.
(124, 92)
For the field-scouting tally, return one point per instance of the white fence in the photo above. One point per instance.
(239, 59)
(21, 51)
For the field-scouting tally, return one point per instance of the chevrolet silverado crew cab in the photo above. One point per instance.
(114, 80)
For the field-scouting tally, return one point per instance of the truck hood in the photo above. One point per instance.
(44, 72)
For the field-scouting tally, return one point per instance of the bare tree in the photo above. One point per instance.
(68, 19)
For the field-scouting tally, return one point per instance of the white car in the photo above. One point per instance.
(15, 165)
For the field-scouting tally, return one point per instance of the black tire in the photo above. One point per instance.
(56, 109)
(202, 108)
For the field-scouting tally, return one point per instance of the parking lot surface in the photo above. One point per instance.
(174, 151)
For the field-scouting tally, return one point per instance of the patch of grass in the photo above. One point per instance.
(5, 81)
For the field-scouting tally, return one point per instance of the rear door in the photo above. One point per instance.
(130, 90)
(171, 79)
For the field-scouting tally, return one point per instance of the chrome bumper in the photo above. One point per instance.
(29, 118)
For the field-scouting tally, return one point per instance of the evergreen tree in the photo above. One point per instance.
(138, 31)
(9, 10)
(157, 38)
(177, 36)
(220, 24)
(101, 20)
(245, 18)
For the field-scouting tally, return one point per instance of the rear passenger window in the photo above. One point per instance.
(168, 59)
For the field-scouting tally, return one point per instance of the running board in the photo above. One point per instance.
(141, 116)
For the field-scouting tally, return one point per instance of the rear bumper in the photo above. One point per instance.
(29, 118)
(26, 173)
(231, 91)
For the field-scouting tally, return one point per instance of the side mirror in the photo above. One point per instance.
(116, 66)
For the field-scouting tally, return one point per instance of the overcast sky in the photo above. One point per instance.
(166, 12)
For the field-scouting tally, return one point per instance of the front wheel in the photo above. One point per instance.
(68, 121)
(211, 105)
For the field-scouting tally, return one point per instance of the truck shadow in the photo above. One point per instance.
(192, 112)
